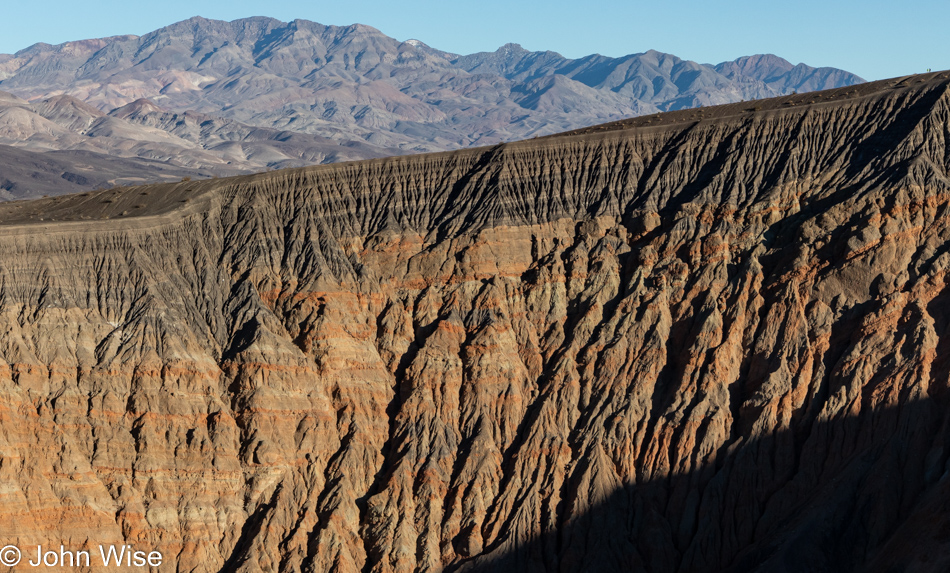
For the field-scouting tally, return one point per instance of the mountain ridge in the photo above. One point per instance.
(164, 145)
(269, 73)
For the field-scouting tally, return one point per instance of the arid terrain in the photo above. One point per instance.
(204, 98)
(706, 340)
(62, 145)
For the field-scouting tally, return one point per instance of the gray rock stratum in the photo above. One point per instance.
(694, 341)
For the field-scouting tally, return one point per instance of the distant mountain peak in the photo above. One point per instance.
(782, 75)
(362, 28)
(64, 101)
(9, 100)
(137, 107)
(764, 59)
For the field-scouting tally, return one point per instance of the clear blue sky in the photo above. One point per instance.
(872, 38)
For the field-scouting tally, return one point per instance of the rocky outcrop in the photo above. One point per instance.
(683, 343)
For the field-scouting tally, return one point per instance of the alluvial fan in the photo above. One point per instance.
(707, 340)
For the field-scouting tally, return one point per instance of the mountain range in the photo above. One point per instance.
(211, 97)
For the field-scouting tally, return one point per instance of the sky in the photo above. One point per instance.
(873, 38)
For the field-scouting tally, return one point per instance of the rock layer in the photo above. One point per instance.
(692, 342)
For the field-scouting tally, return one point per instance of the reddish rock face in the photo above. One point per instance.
(687, 344)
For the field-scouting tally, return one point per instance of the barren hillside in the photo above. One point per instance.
(690, 342)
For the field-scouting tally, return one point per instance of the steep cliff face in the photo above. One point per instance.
(684, 343)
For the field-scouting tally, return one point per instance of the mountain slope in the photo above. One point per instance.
(142, 143)
(663, 79)
(675, 344)
(341, 82)
(30, 174)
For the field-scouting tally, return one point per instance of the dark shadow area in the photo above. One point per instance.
(841, 495)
